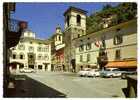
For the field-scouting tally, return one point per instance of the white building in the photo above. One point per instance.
(32, 52)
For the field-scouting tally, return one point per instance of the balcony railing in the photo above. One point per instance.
(15, 25)
(14, 30)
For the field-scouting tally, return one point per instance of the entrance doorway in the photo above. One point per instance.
(31, 66)
(21, 66)
(40, 67)
(46, 67)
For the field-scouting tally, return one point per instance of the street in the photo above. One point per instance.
(64, 84)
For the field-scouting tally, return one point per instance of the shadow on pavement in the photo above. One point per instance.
(125, 91)
(34, 89)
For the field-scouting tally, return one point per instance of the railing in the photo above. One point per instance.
(15, 25)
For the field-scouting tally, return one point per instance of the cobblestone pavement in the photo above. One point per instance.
(65, 84)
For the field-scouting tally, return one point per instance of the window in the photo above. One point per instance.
(59, 38)
(83, 32)
(118, 54)
(46, 57)
(39, 57)
(118, 39)
(31, 42)
(39, 49)
(81, 58)
(14, 56)
(46, 49)
(81, 67)
(21, 56)
(31, 48)
(88, 46)
(78, 35)
(81, 48)
(31, 56)
(78, 20)
(21, 47)
(39, 66)
(13, 48)
(88, 57)
(103, 43)
(68, 18)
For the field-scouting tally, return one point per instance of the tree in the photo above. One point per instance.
(122, 12)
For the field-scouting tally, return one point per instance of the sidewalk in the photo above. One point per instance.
(31, 88)
(20, 87)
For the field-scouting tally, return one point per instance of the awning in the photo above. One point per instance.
(14, 63)
(122, 64)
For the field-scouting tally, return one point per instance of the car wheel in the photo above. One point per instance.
(111, 76)
(123, 76)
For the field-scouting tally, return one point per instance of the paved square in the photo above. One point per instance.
(80, 87)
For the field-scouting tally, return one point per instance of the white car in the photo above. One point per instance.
(84, 72)
(27, 70)
(93, 73)
(114, 72)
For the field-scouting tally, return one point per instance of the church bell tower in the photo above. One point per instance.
(75, 27)
(75, 22)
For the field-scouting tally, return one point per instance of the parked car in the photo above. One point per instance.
(125, 73)
(113, 72)
(84, 72)
(27, 70)
(93, 73)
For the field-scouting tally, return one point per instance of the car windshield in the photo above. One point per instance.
(107, 70)
(95, 70)
(86, 69)
(115, 70)
(112, 69)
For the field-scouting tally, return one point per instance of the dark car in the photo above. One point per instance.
(125, 73)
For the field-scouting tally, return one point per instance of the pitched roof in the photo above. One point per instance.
(36, 40)
(74, 9)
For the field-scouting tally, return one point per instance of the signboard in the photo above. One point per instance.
(59, 46)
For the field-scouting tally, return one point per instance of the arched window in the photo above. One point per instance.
(46, 57)
(21, 56)
(78, 19)
(21, 47)
(39, 49)
(14, 56)
(31, 48)
(59, 38)
(39, 57)
(68, 20)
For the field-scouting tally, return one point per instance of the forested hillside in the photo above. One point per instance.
(118, 14)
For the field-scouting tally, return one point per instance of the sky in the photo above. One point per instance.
(43, 18)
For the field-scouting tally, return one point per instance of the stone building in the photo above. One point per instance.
(31, 52)
(75, 26)
(116, 43)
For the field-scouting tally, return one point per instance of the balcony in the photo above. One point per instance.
(13, 33)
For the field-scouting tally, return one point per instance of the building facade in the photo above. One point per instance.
(58, 46)
(116, 43)
(75, 26)
(31, 52)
